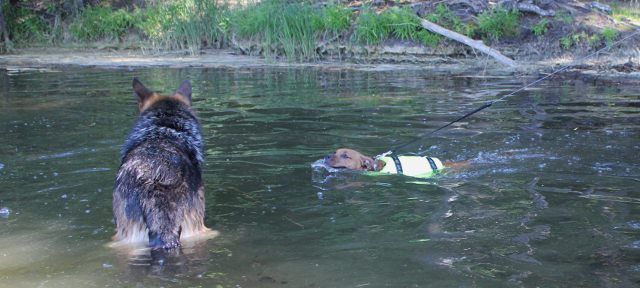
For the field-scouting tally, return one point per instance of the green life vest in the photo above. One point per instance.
(414, 166)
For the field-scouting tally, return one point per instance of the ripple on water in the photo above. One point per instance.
(635, 225)
(635, 245)
(483, 226)
(64, 154)
(90, 170)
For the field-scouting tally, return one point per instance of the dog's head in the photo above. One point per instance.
(349, 159)
(146, 97)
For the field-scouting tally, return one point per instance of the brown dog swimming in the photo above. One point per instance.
(159, 194)
(414, 166)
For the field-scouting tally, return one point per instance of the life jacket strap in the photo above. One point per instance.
(432, 163)
(398, 165)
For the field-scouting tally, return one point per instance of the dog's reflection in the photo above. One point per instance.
(187, 261)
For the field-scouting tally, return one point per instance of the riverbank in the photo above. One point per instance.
(388, 32)
(608, 67)
(364, 35)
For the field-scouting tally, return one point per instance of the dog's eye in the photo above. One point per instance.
(345, 156)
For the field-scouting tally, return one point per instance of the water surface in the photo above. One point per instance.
(552, 198)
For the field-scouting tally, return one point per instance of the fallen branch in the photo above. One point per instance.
(601, 7)
(475, 44)
(528, 7)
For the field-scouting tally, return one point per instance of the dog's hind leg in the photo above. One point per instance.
(193, 218)
(127, 213)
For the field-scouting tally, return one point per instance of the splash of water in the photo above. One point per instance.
(320, 164)
(321, 172)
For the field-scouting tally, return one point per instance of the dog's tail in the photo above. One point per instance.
(163, 217)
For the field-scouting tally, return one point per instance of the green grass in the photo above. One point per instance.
(427, 38)
(336, 18)
(563, 17)
(566, 42)
(97, 23)
(498, 23)
(594, 41)
(182, 24)
(443, 16)
(369, 29)
(577, 38)
(281, 27)
(398, 23)
(609, 35)
(541, 27)
(401, 23)
(628, 12)
(293, 28)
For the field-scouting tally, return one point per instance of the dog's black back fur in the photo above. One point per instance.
(159, 186)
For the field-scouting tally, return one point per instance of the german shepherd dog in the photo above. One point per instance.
(159, 196)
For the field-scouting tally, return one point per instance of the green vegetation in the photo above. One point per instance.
(594, 41)
(402, 23)
(609, 35)
(372, 28)
(497, 23)
(566, 42)
(97, 23)
(293, 27)
(272, 28)
(443, 16)
(579, 38)
(25, 26)
(427, 38)
(369, 28)
(541, 27)
(183, 24)
(336, 18)
(563, 17)
(626, 12)
(399, 23)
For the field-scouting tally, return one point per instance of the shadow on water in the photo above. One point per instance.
(550, 200)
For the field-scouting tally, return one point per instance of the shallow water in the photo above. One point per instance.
(551, 199)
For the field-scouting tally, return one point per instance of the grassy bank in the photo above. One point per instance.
(297, 30)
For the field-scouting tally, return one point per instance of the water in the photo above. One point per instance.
(552, 198)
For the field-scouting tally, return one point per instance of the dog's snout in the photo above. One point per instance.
(328, 157)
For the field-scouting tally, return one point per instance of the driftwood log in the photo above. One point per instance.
(475, 44)
(528, 7)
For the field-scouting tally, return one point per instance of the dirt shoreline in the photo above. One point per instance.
(604, 68)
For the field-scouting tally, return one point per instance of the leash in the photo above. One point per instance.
(489, 103)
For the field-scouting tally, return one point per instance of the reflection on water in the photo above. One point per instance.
(551, 199)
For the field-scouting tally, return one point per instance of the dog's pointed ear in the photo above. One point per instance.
(185, 90)
(142, 93)
(367, 164)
